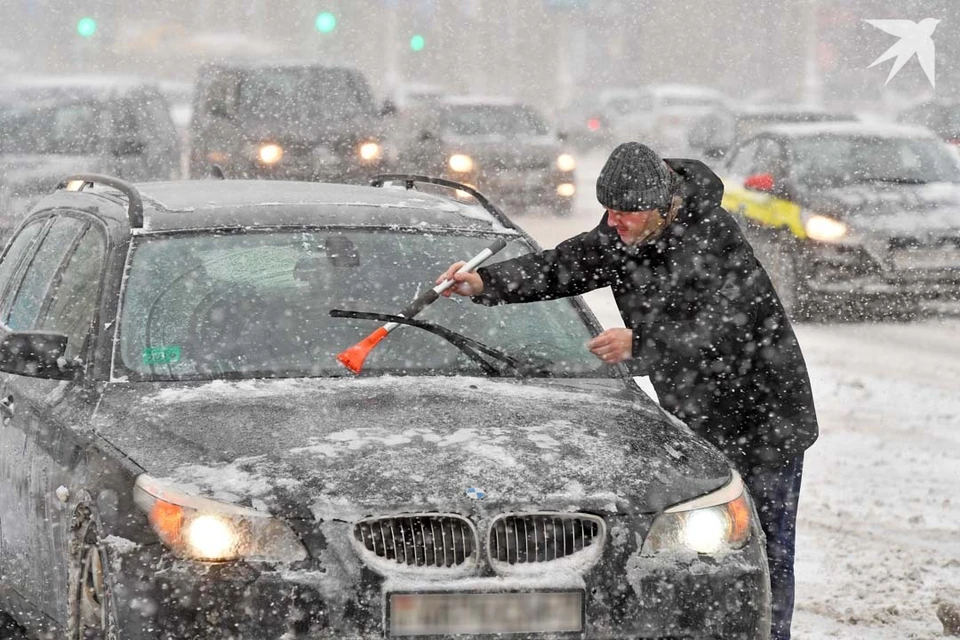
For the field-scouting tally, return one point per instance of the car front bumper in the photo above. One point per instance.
(848, 271)
(335, 595)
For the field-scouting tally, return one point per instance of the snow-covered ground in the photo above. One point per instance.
(879, 522)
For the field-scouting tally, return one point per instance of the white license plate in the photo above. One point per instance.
(927, 259)
(452, 613)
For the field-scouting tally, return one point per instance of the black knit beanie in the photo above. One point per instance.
(635, 178)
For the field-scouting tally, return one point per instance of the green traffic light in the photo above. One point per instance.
(417, 42)
(326, 22)
(86, 27)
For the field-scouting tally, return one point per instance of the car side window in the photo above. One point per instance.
(18, 248)
(39, 275)
(769, 158)
(73, 297)
(742, 162)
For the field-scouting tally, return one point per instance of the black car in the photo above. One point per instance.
(297, 121)
(182, 455)
(849, 213)
(53, 126)
(503, 147)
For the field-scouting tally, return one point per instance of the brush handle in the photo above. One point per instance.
(428, 297)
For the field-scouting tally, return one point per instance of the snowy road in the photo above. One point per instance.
(879, 529)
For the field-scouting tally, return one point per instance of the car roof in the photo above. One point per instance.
(204, 204)
(853, 128)
(255, 64)
(679, 89)
(480, 101)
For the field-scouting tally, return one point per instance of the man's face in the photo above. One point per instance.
(634, 226)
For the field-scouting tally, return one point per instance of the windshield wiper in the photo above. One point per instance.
(467, 345)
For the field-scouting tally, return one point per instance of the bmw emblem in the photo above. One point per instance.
(475, 493)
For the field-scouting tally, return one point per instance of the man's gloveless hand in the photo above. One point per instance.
(613, 345)
(468, 284)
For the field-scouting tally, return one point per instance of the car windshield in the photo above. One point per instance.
(42, 128)
(297, 94)
(838, 160)
(493, 120)
(256, 304)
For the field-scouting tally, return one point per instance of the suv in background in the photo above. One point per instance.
(501, 146)
(942, 116)
(285, 121)
(53, 126)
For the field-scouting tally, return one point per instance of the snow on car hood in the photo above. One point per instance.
(892, 208)
(346, 448)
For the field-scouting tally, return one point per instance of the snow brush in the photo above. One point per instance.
(353, 357)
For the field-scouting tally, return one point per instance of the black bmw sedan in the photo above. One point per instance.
(182, 455)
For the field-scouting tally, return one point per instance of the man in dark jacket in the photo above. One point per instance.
(702, 320)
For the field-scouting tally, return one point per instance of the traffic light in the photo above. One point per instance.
(86, 27)
(326, 22)
(417, 42)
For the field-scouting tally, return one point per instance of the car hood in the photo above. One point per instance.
(890, 209)
(28, 175)
(345, 448)
(500, 151)
(312, 131)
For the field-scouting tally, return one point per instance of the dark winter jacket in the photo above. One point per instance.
(708, 327)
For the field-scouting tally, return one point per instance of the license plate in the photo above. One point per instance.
(926, 259)
(454, 613)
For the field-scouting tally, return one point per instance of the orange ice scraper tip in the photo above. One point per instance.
(353, 357)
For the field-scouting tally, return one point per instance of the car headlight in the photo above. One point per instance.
(370, 151)
(823, 228)
(204, 529)
(716, 522)
(566, 162)
(460, 162)
(270, 153)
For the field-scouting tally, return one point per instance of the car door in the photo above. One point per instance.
(45, 420)
(763, 206)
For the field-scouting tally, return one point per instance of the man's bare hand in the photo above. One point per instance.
(613, 345)
(468, 284)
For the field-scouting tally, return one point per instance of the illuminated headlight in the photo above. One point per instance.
(566, 162)
(716, 522)
(824, 229)
(370, 151)
(203, 529)
(461, 163)
(270, 153)
(566, 189)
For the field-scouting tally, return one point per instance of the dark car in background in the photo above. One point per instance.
(296, 121)
(846, 213)
(941, 115)
(182, 456)
(52, 126)
(716, 133)
(503, 147)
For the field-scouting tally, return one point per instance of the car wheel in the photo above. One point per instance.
(91, 615)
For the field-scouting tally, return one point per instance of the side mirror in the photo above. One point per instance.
(714, 153)
(36, 354)
(388, 108)
(426, 136)
(563, 136)
(218, 109)
(759, 182)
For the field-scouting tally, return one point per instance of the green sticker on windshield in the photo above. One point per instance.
(161, 355)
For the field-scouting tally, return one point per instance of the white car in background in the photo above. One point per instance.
(664, 113)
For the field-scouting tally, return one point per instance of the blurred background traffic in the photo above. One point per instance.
(519, 98)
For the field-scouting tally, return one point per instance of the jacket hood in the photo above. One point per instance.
(702, 188)
(345, 448)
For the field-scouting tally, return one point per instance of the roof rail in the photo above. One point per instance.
(410, 180)
(78, 181)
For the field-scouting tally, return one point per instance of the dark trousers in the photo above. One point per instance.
(775, 493)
